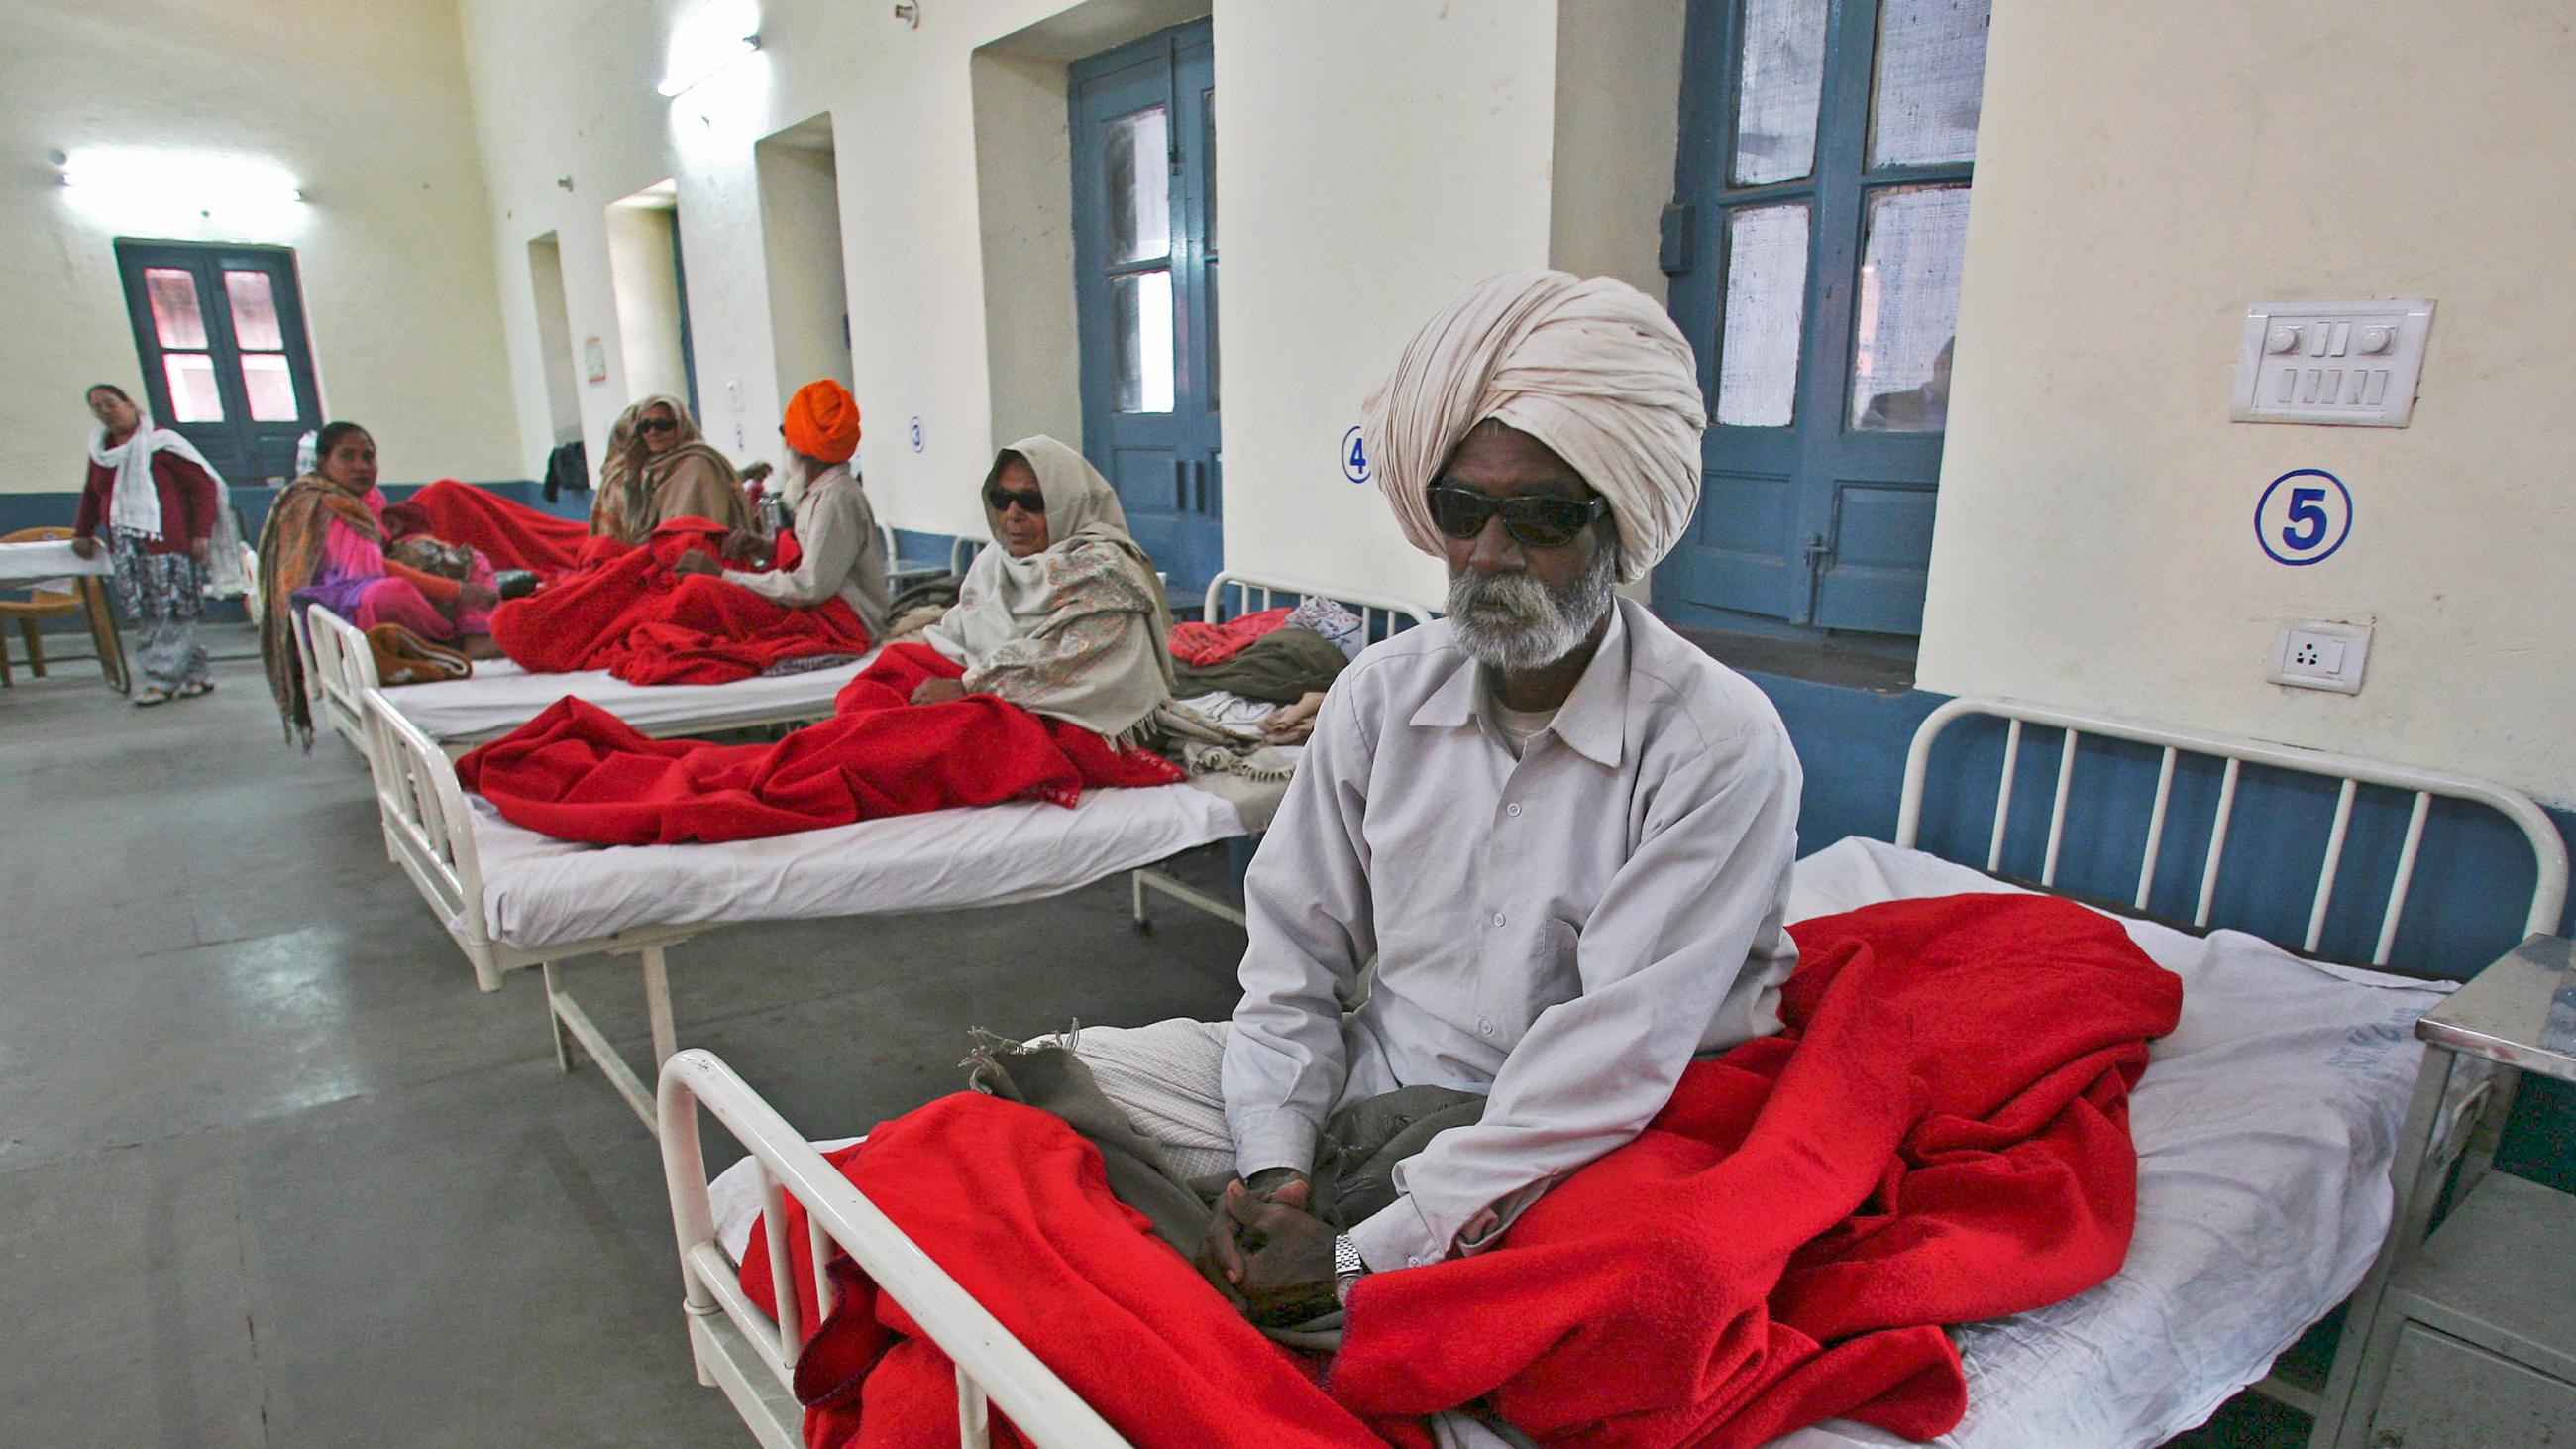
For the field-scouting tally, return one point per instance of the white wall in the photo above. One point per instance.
(1338, 244)
(2143, 173)
(363, 103)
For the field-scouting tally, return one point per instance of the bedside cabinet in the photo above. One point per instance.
(2465, 1338)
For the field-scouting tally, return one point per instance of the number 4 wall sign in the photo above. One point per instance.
(2303, 517)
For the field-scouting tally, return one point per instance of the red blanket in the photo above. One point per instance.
(577, 772)
(625, 611)
(1205, 644)
(1939, 1136)
(511, 535)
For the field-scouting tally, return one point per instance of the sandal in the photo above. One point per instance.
(195, 687)
(153, 696)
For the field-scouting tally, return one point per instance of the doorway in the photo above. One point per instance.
(554, 339)
(647, 272)
(1816, 237)
(800, 230)
(1145, 270)
(219, 330)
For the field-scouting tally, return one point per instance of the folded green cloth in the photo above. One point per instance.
(1281, 667)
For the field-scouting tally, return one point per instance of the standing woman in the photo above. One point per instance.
(658, 468)
(159, 500)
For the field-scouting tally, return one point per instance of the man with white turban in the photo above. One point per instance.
(1562, 832)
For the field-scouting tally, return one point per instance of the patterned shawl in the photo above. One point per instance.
(1052, 632)
(293, 546)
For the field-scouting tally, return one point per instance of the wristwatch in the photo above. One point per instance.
(1347, 1266)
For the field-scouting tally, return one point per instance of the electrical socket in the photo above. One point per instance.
(2313, 654)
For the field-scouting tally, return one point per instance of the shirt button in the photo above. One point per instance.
(1498, 918)
(1485, 1026)
(1513, 809)
(1413, 1260)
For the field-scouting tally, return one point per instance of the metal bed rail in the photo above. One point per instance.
(338, 665)
(752, 1356)
(1381, 615)
(2549, 851)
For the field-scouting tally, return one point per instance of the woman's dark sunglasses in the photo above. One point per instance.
(1533, 520)
(656, 425)
(1000, 500)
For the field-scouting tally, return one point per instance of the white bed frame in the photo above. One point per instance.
(429, 832)
(752, 1356)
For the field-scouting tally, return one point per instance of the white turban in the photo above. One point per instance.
(1594, 369)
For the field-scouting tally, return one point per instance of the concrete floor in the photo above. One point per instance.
(272, 1172)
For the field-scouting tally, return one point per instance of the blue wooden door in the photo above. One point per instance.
(1145, 263)
(1815, 240)
(219, 331)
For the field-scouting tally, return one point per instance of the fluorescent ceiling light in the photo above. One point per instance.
(194, 182)
(705, 62)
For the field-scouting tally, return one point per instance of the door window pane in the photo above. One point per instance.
(1777, 92)
(270, 387)
(1140, 317)
(1931, 78)
(1766, 312)
(1140, 186)
(175, 317)
(192, 387)
(1909, 306)
(255, 326)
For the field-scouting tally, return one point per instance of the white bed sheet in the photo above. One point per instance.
(540, 892)
(501, 697)
(2264, 1130)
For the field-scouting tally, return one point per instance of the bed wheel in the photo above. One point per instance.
(1144, 928)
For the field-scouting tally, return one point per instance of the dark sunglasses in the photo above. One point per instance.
(1000, 500)
(657, 425)
(1532, 520)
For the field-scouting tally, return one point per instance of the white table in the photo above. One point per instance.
(37, 563)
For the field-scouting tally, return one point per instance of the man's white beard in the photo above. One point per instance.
(795, 475)
(1512, 621)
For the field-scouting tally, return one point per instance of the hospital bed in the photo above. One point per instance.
(501, 696)
(511, 898)
(2265, 1127)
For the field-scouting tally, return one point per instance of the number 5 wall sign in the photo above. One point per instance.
(2303, 517)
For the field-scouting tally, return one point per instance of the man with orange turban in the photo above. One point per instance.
(843, 555)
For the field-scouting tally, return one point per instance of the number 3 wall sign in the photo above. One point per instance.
(2303, 517)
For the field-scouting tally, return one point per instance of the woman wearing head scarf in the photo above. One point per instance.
(658, 468)
(325, 543)
(839, 551)
(1063, 616)
(160, 502)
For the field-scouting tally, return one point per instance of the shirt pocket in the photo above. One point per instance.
(1510, 993)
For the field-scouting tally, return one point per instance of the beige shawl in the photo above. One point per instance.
(1076, 630)
(1594, 369)
(641, 491)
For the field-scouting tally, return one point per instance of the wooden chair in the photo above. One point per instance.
(90, 598)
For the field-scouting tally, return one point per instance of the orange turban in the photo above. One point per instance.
(823, 421)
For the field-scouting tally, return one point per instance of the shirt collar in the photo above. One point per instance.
(1593, 719)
